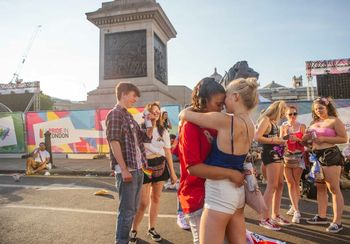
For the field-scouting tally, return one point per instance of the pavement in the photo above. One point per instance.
(64, 166)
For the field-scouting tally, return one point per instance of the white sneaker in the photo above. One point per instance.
(268, 224)
(290, 211)
(280, 221)
(296, 217)
(47, 173)
(181, 222)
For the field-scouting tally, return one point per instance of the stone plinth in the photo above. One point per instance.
(133, 48)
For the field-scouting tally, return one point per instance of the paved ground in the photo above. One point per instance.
(65, 210)
(63, 166)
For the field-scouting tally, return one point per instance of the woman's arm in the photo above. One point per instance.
(170, 162)
(170, 126)
(216, 173)
(213, 120)
(259, 134)
(283, 131)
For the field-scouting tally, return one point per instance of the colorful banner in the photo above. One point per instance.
(79, 131)
(12, 133)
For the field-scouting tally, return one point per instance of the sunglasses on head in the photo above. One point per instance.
(295, 114)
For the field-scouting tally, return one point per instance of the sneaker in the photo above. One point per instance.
(281, 221)
(334, 228)
(181, 222)
(267, 224)
(290, 211)
(133, 238)
(296, 217)
(317, 220)
(154, 235)
(47, 173)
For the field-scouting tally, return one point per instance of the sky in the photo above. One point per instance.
(275, 37)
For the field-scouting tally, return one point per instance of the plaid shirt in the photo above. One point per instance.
(121, 127)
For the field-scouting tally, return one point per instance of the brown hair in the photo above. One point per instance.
(292, 107)
(328, 103)
(126, 87)
(159, 122)
(247, 89)
(203, 92)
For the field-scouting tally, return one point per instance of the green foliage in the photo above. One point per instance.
(46, 103)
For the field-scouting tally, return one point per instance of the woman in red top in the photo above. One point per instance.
(193, 148)
(293, 131)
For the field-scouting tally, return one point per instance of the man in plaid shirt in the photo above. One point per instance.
(125, 139)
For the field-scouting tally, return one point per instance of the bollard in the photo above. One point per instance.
(48, 145)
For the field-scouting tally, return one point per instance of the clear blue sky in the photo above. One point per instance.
(275, 37)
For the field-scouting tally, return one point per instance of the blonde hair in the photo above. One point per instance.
(247, 88)
(274, 111)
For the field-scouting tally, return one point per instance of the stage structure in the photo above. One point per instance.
(23, 96)
(333, 78)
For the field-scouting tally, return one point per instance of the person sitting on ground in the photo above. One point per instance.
(39, 161)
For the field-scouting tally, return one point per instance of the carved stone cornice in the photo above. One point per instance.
(114, 14)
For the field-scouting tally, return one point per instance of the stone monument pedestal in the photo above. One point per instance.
(133, 48)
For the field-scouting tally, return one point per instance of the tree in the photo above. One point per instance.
(46, 103)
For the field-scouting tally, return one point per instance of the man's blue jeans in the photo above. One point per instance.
(129, 197)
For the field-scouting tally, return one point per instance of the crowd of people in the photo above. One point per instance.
(212, 147)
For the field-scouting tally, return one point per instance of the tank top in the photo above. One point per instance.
(274, 132)
(226, 160)
(295, 145)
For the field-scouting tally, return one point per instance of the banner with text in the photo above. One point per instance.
(79, 131)
(11, 133)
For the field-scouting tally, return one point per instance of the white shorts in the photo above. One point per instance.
(223, 196)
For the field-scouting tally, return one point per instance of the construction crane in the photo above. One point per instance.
(15, 77)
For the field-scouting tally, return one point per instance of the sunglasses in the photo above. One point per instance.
(295, 114)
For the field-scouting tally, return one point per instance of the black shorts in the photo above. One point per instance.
(269, 155)
(329, 156)
(164, 177)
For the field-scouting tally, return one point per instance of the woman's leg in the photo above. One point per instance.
(277, 197)
(288, 174)
(332, 176)
(236, 229)
(144, 202)
(322, 199)
(213, 226)
(156, 190)
(272, 171)
(293, 176)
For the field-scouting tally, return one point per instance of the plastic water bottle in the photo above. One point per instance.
(148, 122)
(252, 184)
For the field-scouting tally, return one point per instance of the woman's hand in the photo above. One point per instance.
(237, 178)
(173, 178)
(319, 140)
(279, 141)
